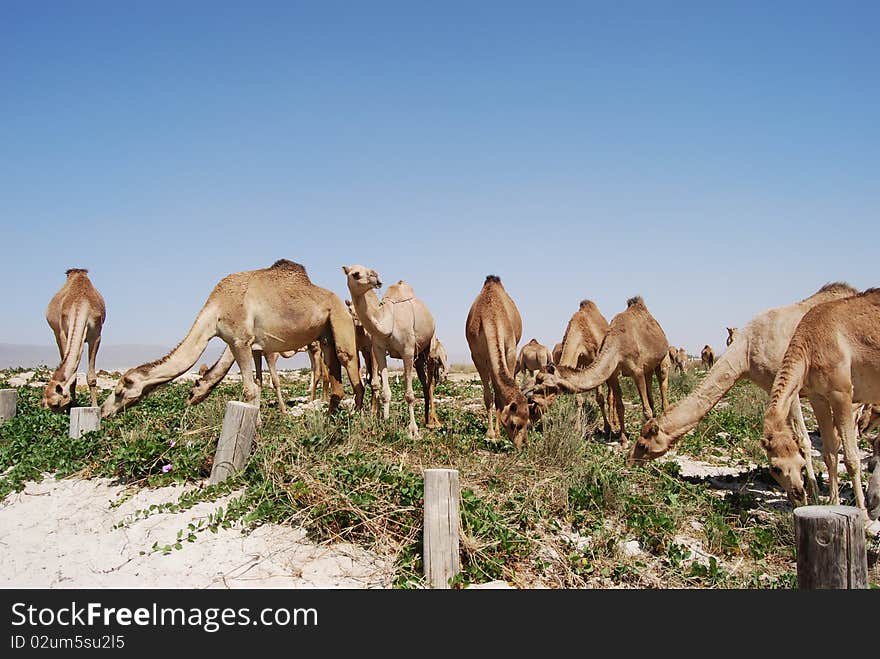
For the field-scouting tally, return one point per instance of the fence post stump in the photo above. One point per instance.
(8, 403)
(83, 419)
(830, 547)
(441, 523)
(236, 440)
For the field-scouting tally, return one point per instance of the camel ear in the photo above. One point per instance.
(512, 408)
(765, 443)
(345, 269)
(651, 428)
(551, 368)
(59, 389)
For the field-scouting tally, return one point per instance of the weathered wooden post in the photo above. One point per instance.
(83, 419)
(830, 547)
(236, 440)
(440, 547)
(8, 403)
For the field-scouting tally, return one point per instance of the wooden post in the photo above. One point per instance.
(440, 548)
(84, 419)
(8, 403)
(830, 547)
(236, 439)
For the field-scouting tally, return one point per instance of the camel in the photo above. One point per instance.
(210, 377)
(636, 346)
(76, 314)
(583, 336)
(439, 360)
(364, 343)
(493, 330)
(756, 354)
(707, 356)
(401, 326)
(834, 359)
(556, 355)
(272, 309)
(868, 419)
(532, 358)
(731, 334)
(677, 358)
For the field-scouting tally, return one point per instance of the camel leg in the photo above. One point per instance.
(612, 412)
(351, 364)
(830, 444)
(578, 423)
(334, 370)
(488, 398)
(271, 360)
(645, 394)
(61, 340)
(841, 407)
(614, 383)
(600, 401)
(427, 372)
(410, 397)
(382, 368)
(796, 419)
(258, 366)
(662, 373)
(94, 340)
(244, 357)
(315, 364)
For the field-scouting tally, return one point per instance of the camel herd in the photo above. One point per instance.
(825, 348)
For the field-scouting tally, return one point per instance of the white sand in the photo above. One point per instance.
(59, 534)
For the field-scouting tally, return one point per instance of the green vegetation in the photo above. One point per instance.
(560, 513)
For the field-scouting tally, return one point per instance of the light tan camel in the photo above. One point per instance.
(76, 315)
(210, 377)
(756, 354)
(401, 326)
(532, 358)
(707, 356)
(493, 330)
(583, 337)
(731, 334)
(834, 359)
(557, 352)
(677, 358)
(364, 346)
(636, 346)
(273, 309)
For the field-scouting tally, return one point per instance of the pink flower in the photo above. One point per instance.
(171, 443)
(166, 468)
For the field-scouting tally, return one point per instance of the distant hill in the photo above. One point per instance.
(116, 357)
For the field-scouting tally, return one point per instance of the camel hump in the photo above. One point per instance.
(492, 279)
(837, 287)
(286, 264)
(76, 271)
(399, 292)
(588, 303)
(635, 300)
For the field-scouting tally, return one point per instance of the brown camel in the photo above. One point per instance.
(76, 315)
(708, 356)
(677, 358)
(756, 354)
(273, 309)
(210, 377)
(493, 330)
(583, 337)
(557, 353)
(636, 346)
(834, 359)
(401, 326)
(532, 358)
(731, 334)
(439, 360)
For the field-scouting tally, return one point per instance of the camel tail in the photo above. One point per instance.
(74, 347)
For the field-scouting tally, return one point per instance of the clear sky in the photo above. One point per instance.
(716, 158)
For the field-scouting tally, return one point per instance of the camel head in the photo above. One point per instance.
(652, 443)
(515, 418)
(539, 405)
(130, 388)
(786, 460)
(361, 279)
(59, 394)
(200, 389)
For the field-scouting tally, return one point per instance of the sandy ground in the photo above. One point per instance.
(62, 534)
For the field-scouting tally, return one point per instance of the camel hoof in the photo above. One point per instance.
(414, 433)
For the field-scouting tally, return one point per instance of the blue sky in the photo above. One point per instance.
(716, 158)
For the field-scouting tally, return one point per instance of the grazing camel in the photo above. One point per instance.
(834, 359)
(76, 314)
(636, 346)
(756, 354)
(532, 358)
(439, 360)
(731, 334)
(401, 326)
(677, 358)
(210, 377)
(583, 337)
(557, 353)
(707, 356)
(273, 309)
(493, 330)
